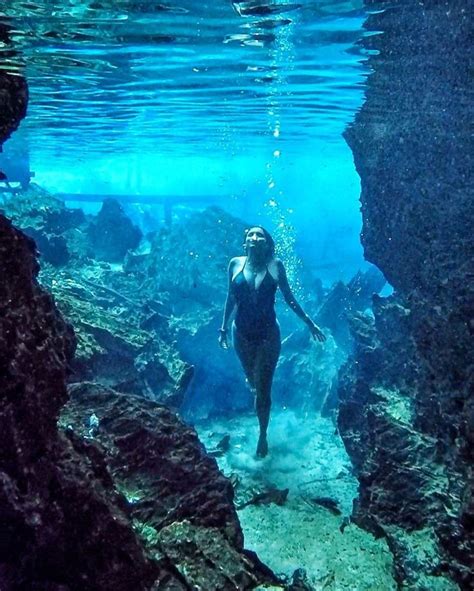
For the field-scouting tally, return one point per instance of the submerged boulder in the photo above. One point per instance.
(180, 504)
(112, 233)
(47, 221)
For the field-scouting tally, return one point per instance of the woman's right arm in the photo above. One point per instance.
(229, 307)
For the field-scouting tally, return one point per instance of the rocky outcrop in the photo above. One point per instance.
(45, 219)
(123, 335)
(112, 233)
(58, 505)
(407, 404)
(345, 301)
(180, 504)
(13, 97)
(157, 461)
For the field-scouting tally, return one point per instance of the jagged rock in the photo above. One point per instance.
(179, 501)
(152, 453)
(60, 519)
(52, 249)
(190, 260)
(45, 219)
(118, 344)
(406, 398)
(117, 329)
(13, 97)
(310, 368)
(206, 560)
(112, 233)
(344, 301)
(299, 581)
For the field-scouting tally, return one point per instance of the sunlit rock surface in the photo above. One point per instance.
(122, 327)
(406, 399)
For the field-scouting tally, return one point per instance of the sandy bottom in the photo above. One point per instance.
(307, 457)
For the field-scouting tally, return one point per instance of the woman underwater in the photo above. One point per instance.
(253, 281)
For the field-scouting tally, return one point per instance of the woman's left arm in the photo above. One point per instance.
(297, 309)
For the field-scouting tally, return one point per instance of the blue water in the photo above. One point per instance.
(203, 102)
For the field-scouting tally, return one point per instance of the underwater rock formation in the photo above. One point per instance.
(112, 233)
(60, 517)
(45, 219)
(406, 413)
(345, 301)
(123, 335)
(189, 261)
(306, 372)
(180, 503)
(311, 368)
(13, 97)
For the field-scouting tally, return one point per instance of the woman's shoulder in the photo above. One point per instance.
(276, 263)
(236, 261)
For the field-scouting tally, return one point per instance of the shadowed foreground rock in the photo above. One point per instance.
(13, 98)
(60, 517)
(407, 408)
(181, 505)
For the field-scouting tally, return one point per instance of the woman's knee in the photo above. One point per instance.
(263, 401)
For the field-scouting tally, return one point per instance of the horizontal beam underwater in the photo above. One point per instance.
(144, 199)
(167, 201)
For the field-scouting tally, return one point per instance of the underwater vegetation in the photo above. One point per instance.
(102, 484)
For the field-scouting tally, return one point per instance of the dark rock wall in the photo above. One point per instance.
(13, 98)
(46, 482)
(407, 409)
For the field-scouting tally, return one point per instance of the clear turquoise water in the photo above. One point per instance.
(194, 100)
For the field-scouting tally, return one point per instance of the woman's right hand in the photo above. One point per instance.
(223, 338)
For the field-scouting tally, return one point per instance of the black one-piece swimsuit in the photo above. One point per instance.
(255, 317)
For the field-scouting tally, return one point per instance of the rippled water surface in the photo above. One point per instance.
(122, 76)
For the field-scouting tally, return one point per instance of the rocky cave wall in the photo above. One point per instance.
(407, 408)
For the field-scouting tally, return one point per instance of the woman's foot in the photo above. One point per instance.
(262, 446)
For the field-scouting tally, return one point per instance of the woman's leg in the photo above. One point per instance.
(265, 363)
(246, 352)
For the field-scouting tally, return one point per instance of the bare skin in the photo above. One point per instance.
(259, 358)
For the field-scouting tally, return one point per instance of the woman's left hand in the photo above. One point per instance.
(317, 333)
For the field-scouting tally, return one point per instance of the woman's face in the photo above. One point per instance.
(255, 238)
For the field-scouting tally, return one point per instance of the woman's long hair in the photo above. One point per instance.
(268, 238)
